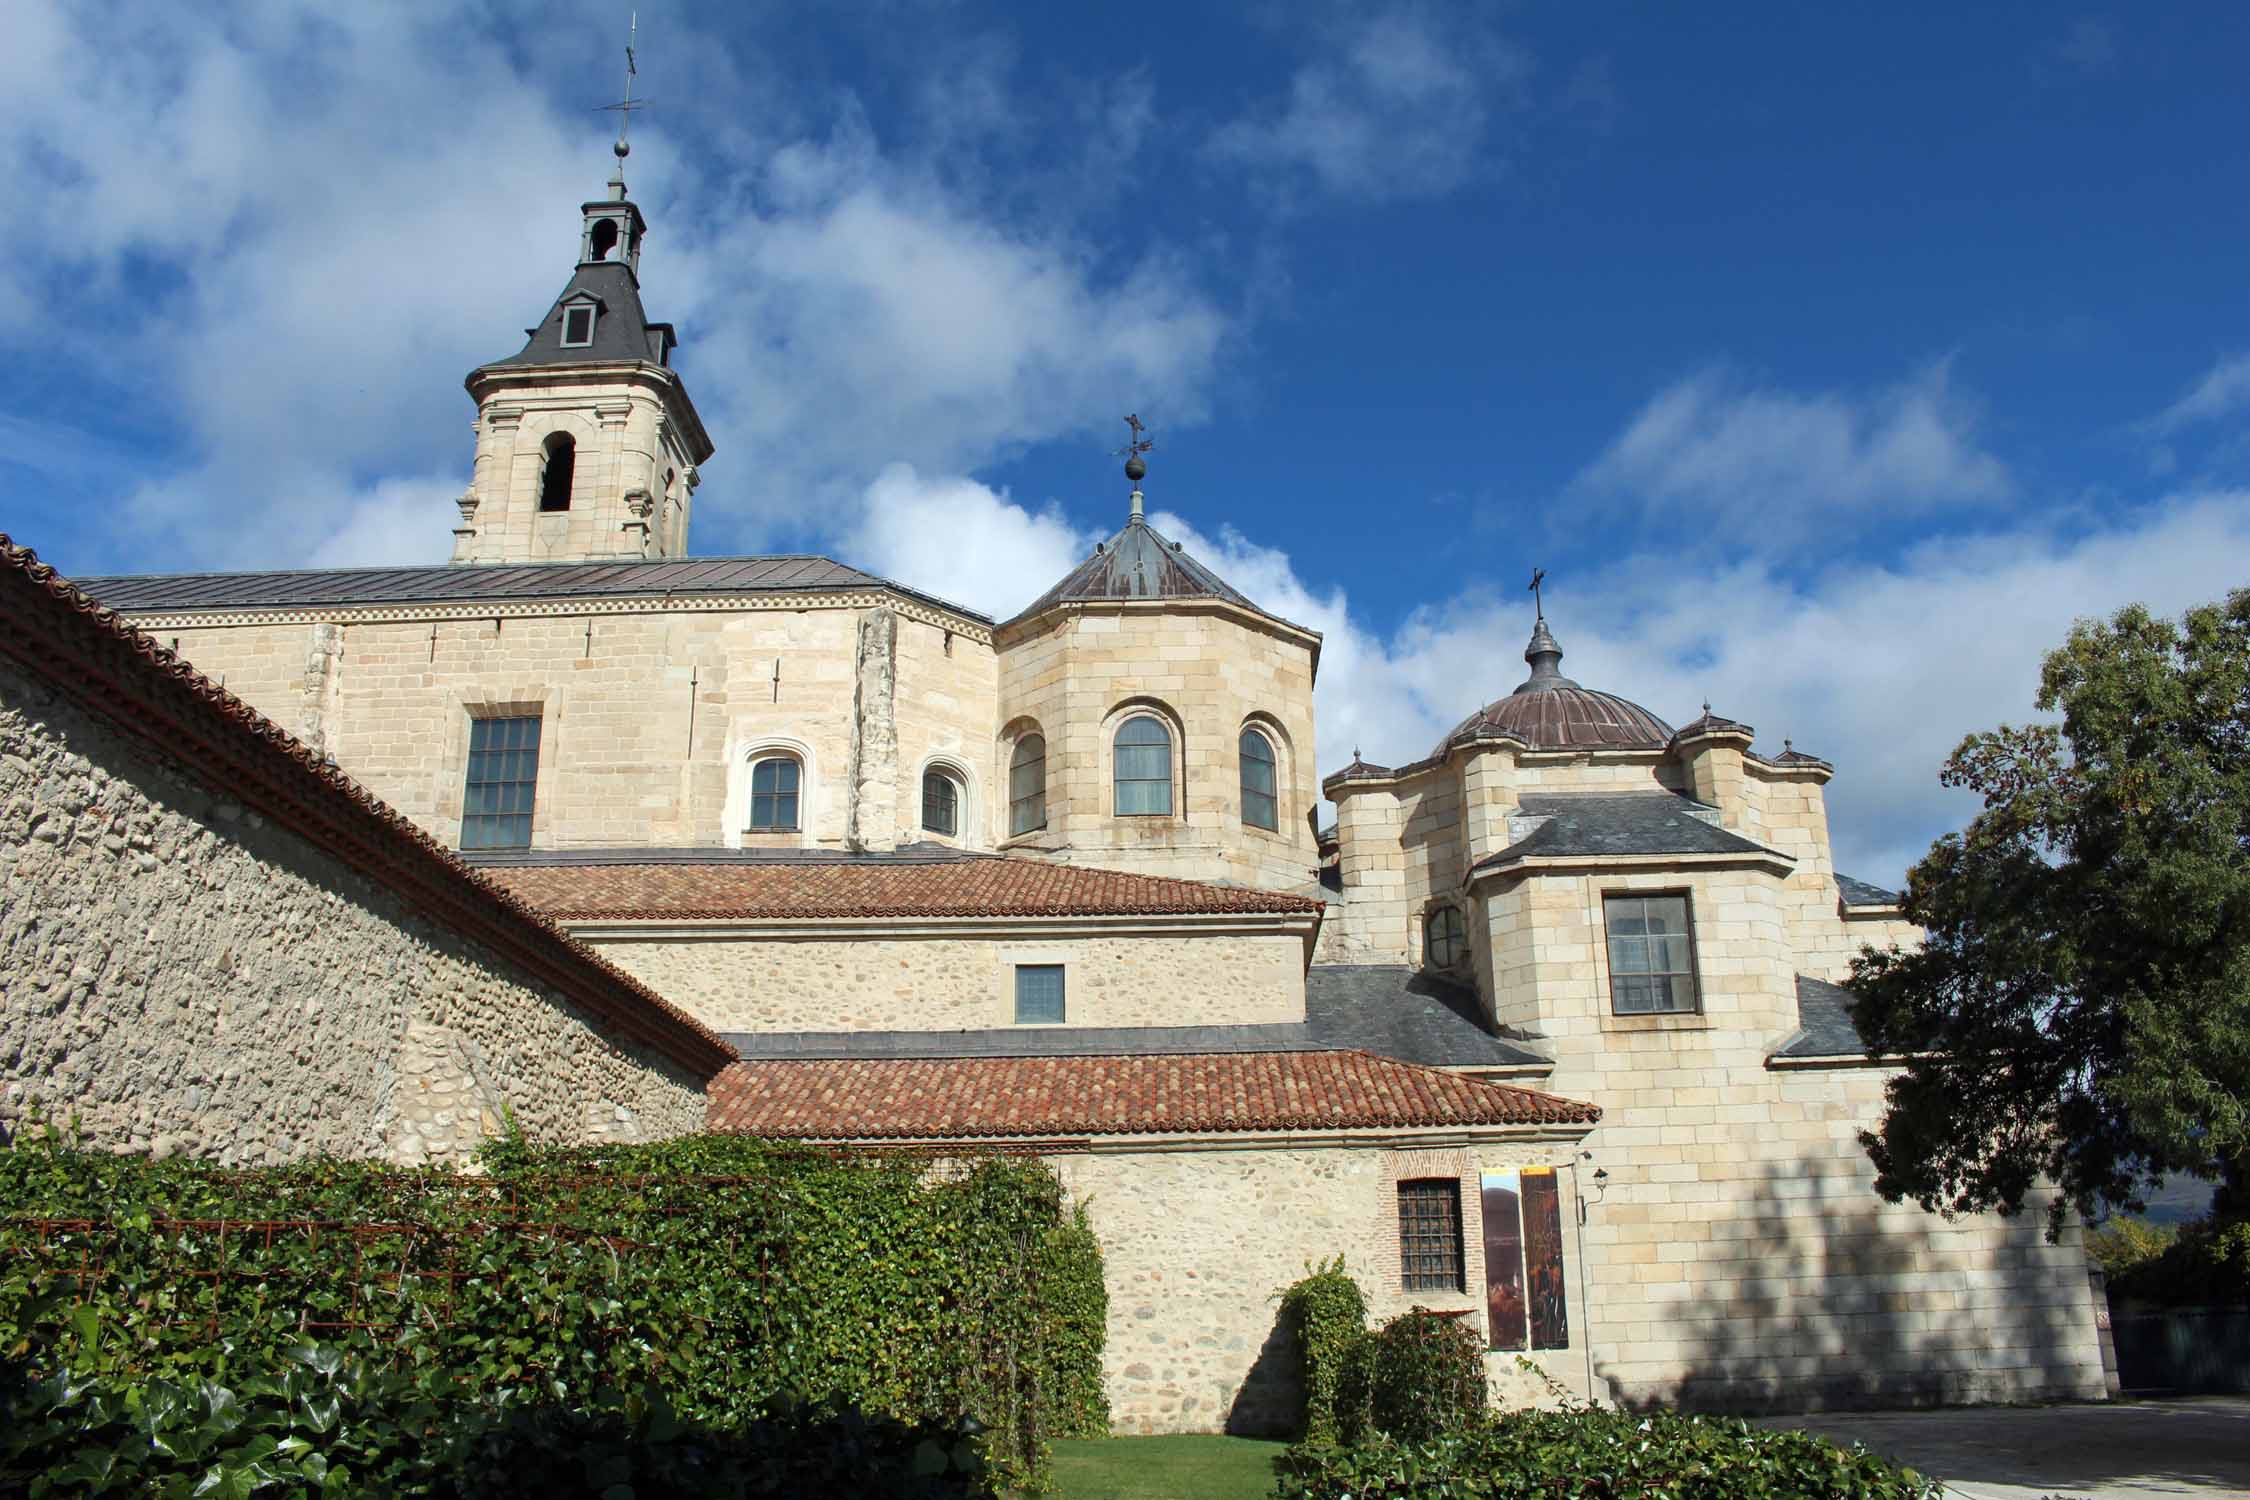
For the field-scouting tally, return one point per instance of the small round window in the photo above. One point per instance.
(1445, 943)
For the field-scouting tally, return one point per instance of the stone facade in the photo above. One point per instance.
(185, 975)
(1198, 1239)
(1207, 671)
(744, 977)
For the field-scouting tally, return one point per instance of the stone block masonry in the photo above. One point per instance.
(186, 971)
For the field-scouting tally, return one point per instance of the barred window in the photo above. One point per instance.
(1027, 786)
(1429, 1235)
(1260, 809)
(503, 774)
(1651, 955)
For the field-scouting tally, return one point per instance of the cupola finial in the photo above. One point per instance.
(1543, 654)
(625, 108)
(1135, 469)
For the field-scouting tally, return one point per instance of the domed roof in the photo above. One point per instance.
(1551, 712)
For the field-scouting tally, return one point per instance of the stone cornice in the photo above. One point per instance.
(1435, 1137)
(486, 380)
(1023, 626)
(1770, 860)
(877, 929)
(549, 608)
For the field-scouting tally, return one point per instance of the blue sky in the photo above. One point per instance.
(1832, 362)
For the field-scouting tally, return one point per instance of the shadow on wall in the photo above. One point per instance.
(1271, 1400)
(1814, 1294)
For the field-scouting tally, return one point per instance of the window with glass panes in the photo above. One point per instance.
(1444, 941)
(1260, 809)
(503, 773)
(1429, 1235)
(773, 795)
(1144, 768)
(941, 804)
(1039, 994)
(1027, 786)
(1651, 955)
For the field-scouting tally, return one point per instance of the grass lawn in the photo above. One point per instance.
(1186, 1467)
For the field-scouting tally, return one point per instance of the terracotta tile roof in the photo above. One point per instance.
(973, 1098)
(89, 655)
(994, 886)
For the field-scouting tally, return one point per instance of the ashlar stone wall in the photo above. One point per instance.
(1738, 1254)
(877, 982)
(1197, 1241)
(1076, 675)
(185, 976)
(650, 717)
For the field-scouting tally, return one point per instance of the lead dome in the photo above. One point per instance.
(1549, 711)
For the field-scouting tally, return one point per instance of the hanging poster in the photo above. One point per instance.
(1503, 1259)
(1543, 1259)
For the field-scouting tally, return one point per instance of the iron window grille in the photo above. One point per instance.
(1429, 1235)
(503, 776)
(1260, 807)
(1651, 955)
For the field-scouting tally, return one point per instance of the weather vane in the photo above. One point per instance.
(1538, 576)
(628, 104)
(1133, 450)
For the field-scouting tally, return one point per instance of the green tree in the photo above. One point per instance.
(2081, 1008)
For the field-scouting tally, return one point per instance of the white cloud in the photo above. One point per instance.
(2086, 47)
(962, 540)
(285, 238)
(1398, 106)
(1881, 670)
(1793, 464)
(2223, 391)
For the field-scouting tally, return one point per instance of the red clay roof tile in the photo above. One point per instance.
(972, 1098)
(999, 886)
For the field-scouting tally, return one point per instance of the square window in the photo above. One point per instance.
(1429, 1235)
(503, 774)
(1651, 955)
(1039, 994)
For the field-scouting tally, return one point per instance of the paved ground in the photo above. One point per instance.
(2195, 1446)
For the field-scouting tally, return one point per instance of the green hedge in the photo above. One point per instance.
(728, 1278)
(1590, 1454)
(1326, 1312)
(1425, 1375)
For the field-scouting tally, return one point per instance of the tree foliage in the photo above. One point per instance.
(2080, 1010)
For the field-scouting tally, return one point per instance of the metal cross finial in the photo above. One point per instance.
(1538, 576)
(628, 104)
(1141, 442)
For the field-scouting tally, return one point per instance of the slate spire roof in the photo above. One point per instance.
(622, 330)
(1139, 562)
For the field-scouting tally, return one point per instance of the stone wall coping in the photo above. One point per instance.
(1771, 860)
(94, 657)
(1298, 924)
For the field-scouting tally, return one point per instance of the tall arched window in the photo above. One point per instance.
(773, 794)
(1143, 773)
(1259, 806)
(1444, 941)
(941, 803)
(555, 480)
(1027, 785)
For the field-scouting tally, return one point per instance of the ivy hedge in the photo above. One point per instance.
(722, 1281)
(1596, 1454)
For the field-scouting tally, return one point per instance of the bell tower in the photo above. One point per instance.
(588, 447)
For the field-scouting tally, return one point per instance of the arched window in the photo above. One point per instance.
(1444, 941)
(773, 794)
(562, 465)
(941, 804)
(1259, 807)
(1143, 772)
(1027, 785)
